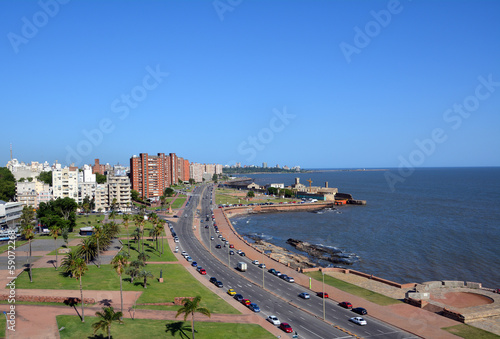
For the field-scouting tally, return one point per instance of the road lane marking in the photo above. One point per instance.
(317, 335)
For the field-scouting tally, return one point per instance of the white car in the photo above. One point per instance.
(184, 253)
(274, 320)
(304, 295)
(358, 320)
(255, 262)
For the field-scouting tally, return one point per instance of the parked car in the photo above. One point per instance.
(255, 262)
(360, 310)
(202, 271)
(219, 284)
(272, 270)
(277, 273)
(290, 279)
(194, 264)
(231, 246)
(254, 307)
(188, 258)
(346, 304)
(304, 295)
(283, 276)
(358, 320)
(273, 320)
(262, 266)
(213, 280)
(231, 291)
(238, 297)
(246, 302)
(286, 327)
(322, 295)
(242, 254)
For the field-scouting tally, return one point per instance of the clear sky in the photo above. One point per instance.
(320, 84)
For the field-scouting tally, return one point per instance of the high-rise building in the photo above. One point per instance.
(98, 168)
(65, 183)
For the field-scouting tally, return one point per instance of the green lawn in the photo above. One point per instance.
(19, 243)
(140, 328)
(61, 254)
(150, 249)
(2, 329)
(374, 297)
(470, 332)
(178, 203)
(178, 282)
(82, 220)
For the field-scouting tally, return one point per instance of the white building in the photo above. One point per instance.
(119, 188)
(65, 183)
(86, 183)
(33, 193)
(10, 214)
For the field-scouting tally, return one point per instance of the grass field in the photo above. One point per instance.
(150, 249)
(3, 328)
(19, 243)
(61, 254)
(178, 203)
(374, 297)
(140, 328)
(178, 282)
(470, 332)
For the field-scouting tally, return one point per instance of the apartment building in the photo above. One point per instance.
(119, 188)
(151, 174)
(10, 214)
(65, 183)
(86, 183)
(33, 193)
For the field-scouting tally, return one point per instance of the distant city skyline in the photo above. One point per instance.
(323, 84)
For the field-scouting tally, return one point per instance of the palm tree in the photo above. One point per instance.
(145, 274)
(161, 224)
(143, 257)
(136, 234)
(69, 261)
(78, 269)
(87, 249)
(139, 222)
(98, 234)
(54, 233)
(119, 263)
(28, 230)
(134, 269)
(107, 317)
(126, 219)
(190, 307)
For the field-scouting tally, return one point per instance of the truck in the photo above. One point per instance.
(242, 266)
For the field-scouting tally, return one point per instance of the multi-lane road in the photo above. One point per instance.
(279, 298)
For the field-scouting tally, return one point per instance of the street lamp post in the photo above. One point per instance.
(263, 268)
(323, 274)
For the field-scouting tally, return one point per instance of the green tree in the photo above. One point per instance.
(272, 190)
(68, 262)
(28, 230)
(7, 184)
(250, 194)
(55, 231)
(139, 222)
(190, 308)
(119, 263)
(106, 319)
(87, 249)
(214, 178)
(125, 221)
(145, 275)
(21, 180)
(134, 269)
(78, 269)
(65, 235)
(134, 195)
(98, 234)
(169, 191)
(191, 181)
(45, 177)
(100, 178)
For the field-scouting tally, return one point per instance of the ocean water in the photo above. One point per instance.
(436, 224)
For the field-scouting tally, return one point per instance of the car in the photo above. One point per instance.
(213, 280)
(194, 264)
(226, 243)
(304, 295)
(203, 271)
(212, 238)
(272, 270)
(206, 226)
(273, 320)
(219, 284)
(358, 320)
(286, 327)
(255, 262)
(218, 246)
(290, 279)
(284, 276)
(360, 310)
(242, 254)
(246, 302)
(231, 246)
(231, 291)
(239, 251)
(223, 239)
(238, 297)
(322, 295)
(346, 304)
(184, 253)
(220, 235)
(189, 259)
(277, 273)
(231, 252)
(254, 307)
(262, 266)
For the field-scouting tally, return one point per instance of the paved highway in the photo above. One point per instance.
(279, 297)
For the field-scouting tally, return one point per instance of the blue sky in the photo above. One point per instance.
(320, 84)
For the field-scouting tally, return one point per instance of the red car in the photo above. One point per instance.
(231, 246)
(286, 327)
(203, 272)
(246, 302)
(346, 304)
(322, 295)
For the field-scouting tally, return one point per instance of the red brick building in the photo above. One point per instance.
(98, 168)
(151, 174)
